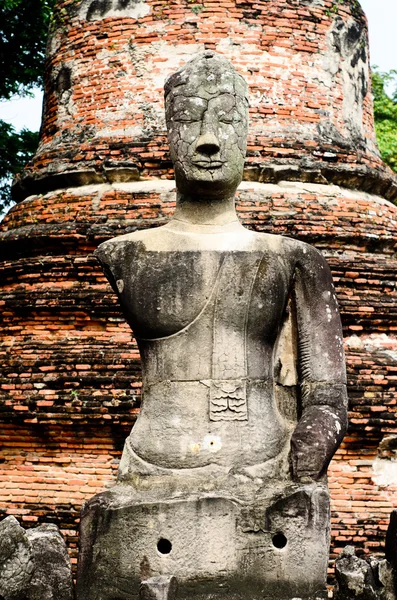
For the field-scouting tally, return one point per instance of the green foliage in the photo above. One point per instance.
(385, 110)
(23, 36)
(334, 10)
(16, 151)
(196, 8)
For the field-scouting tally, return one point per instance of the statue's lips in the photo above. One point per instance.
(206, 164)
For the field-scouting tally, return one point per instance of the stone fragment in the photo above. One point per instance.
(355, 578)
(52, 577)
(391, 546)
(34, 564)
(163, 587)
(386, 579)
(16, 561)
(370, 579)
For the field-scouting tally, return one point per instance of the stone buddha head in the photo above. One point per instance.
(207, 120)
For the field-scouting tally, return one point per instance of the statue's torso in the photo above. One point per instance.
(206, 311)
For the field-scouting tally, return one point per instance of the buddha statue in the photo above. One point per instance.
(222, 484)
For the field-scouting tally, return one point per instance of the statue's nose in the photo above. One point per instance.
(208, 143)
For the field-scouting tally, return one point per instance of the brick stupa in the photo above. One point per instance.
(70, 382)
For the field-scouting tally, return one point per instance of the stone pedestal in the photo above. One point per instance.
(274, 547)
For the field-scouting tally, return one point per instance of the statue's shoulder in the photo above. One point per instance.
(111, 251)
(295, 250)
(283, 246)
(309, 263)
(294, 254)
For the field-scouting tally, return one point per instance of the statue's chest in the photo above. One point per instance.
(164, 292)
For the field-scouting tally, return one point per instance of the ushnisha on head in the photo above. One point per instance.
(207, 120)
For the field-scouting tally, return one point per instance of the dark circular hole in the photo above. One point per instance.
(279, 540)
(164, 546)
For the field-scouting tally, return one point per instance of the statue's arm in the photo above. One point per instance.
(108, 256)
(322, 371)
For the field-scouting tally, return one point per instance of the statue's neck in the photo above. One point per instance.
(204, 211)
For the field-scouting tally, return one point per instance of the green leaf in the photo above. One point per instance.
(385, 113)
(16, 150)
(23, 36)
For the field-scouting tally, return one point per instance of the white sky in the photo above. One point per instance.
(23, 112)
(382, 19)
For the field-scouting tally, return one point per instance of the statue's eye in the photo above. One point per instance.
(230, 118)
(187, 117)
(181, 118)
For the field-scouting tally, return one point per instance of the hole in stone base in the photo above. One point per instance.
(164, 546)
(279, 540)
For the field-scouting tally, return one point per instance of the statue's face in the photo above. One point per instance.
(208, 140)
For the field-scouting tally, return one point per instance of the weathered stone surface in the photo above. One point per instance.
(158, 588)
(369, 579)
(207, 121)
(385, 574)
(52, 576)
(34, 564)
(217, 486)
(16, 560)
(226, 545)
(391, 539)
(355, 578)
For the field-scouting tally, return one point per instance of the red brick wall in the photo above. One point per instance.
(70, 382)
(49, 470)
(307, 66)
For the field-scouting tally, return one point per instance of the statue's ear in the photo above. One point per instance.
(285, 366)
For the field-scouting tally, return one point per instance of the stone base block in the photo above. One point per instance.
(215, 547)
